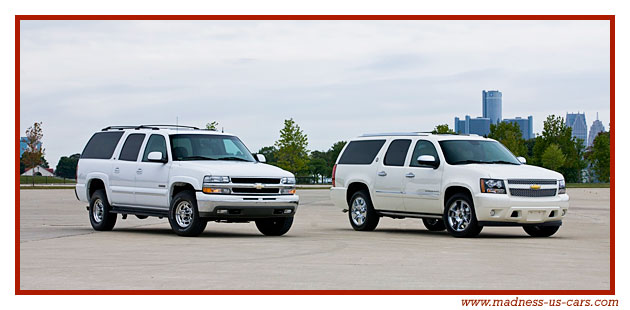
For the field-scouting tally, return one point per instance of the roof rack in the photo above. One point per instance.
(153, 127)
(395, 134)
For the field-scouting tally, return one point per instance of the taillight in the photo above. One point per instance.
(333, 174)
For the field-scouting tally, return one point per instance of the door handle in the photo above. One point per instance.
(410, 175)
(116, 170)
(382, 173)
(139, 171)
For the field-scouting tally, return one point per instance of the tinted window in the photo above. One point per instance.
(131, 148)
(397, 152)
(156, 143)
(102, 145)
(361, 152)
(423, 147)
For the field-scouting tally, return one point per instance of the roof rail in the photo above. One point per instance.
(394, 134)
(153, 127)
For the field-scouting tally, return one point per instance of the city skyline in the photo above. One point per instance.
(336, 79)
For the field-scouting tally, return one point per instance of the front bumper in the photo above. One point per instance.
(498, 209)
(250, 207)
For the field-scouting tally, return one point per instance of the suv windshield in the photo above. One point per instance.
(459, 152)
(209, 147)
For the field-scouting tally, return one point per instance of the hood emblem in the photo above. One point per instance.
(535, 186)
(259, 185)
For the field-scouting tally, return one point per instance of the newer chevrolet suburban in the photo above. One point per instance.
(455, 182)
(185, 174)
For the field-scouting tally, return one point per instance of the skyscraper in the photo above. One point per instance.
(478, 125)
(526, 125)
(492, 105)
(596, 128)
(577, 122)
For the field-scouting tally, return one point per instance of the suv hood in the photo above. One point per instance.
(499, 171)
(235, 168)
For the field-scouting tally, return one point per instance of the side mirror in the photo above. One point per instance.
(155, 157)
(261, 158)
(522, 159)
(427, 160)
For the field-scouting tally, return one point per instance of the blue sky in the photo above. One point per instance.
(337, 79)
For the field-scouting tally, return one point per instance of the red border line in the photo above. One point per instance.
(610, 18)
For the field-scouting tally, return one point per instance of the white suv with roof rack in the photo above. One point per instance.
(188, 175)
(460, 183)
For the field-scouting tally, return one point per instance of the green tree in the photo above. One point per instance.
(319, 164)
(443, 129)
(553, 158)
(67, 166)
(270, 153)
(34, 151)
(212, 126)
(599, 156)
(292, 153)
(509, 134)
(555, 132)
(333, 153)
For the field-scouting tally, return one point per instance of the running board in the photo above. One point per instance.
(400, 214)
(138, 211)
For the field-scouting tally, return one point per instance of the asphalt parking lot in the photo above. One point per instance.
(59, 250)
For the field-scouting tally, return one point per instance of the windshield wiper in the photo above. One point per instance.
(197, 158)
(232, 158)
(469, 161)
(502, 162)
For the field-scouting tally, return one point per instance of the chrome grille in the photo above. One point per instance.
(532, 181)
(242, 190)
(525, 192)
(256, 180)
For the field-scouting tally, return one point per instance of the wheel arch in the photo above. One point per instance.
(354, 187)
(178, 187)
(456, 189)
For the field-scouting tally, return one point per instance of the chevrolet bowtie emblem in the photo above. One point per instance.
(535, 186)
(260, 186)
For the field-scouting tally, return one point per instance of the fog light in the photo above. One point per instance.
(222, 211)
(492, 212)
(287, 211)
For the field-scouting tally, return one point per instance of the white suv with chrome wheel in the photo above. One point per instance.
(185, 174)
(459, 183)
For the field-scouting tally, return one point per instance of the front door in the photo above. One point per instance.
(388, 191)
(422, 183)
(152, 177)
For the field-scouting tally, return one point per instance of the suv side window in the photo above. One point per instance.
(101, 145)
(361, 152)
(156, 143)
(131, 148)
(423, 147)
(397, 152)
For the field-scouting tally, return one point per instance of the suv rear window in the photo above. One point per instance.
(102, 145)
(361, 152)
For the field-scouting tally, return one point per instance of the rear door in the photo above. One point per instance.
(123, 176)
(152, 177)
(422, 183)
(388, 184)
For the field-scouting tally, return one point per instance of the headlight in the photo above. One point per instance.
(289, 180)
(493, 186)
(216, 179)
(287, 191)
(562, 187)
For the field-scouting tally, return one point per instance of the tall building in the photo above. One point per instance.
(526, 125)
(577, 122)
(596, 128)
(478, 126)
(492, 105)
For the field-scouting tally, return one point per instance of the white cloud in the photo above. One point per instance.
(337, 79)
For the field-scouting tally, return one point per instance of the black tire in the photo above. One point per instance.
(541, 231)
(434, 224)
(469, 222)
(101, 217)
(142, 217)
(361, 212)
(188, 223)
(274, 226)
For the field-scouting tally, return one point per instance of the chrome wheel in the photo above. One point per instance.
(184, 214)
(359, 211)
(98, 210)
(459, 215)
